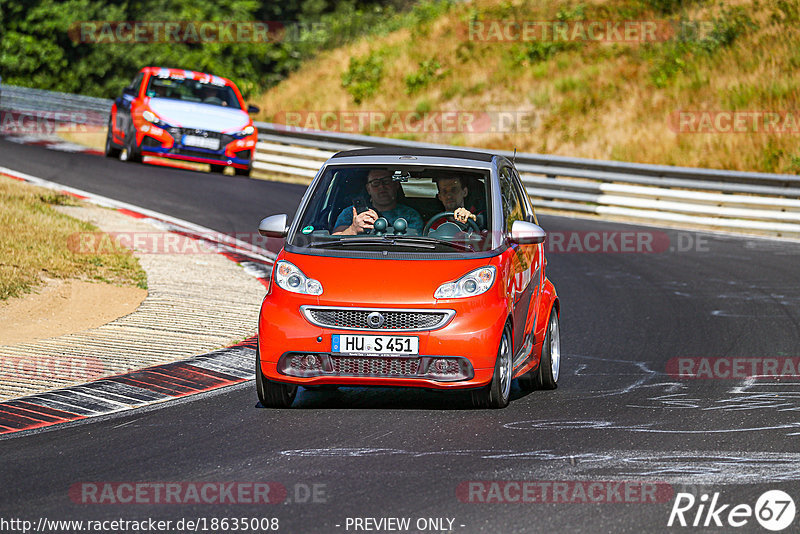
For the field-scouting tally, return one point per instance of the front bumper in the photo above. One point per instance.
(166, 143)
(459, 355)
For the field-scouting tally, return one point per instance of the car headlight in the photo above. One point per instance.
(149, 116)
(471, 284)
(247, 131)
(290, 278)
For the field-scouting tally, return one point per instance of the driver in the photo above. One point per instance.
(382, 190)
(452, 193)
(209, 95)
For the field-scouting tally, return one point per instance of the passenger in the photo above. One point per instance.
(382, 190)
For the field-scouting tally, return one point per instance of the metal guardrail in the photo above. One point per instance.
(729, 200)
(25, 99)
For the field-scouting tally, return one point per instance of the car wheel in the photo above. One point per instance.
(217, 168)
(550, 364)
(498, 392)
(110, 151)
(130, 150)
(273, 394)
(242, 172)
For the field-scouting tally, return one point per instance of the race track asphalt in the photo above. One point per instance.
(617, 415)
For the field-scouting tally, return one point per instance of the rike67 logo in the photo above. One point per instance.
(774, 510)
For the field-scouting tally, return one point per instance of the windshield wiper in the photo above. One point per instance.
(432, 241)
(375, 241)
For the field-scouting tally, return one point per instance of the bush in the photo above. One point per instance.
(667, 6)
(678, 54)
(363, 77)
(429, 71)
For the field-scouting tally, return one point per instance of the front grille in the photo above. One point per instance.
(356, 318)
(197, 153)
(178, 133)
(331, 365)
(348, 365)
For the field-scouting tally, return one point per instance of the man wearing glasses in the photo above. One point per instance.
(382, 190)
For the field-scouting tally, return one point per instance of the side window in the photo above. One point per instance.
(530, 214)
(513, 208)
(136, 83)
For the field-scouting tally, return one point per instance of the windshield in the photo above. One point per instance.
(409, 209)
(188, 90)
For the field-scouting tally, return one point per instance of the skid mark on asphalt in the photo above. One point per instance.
(646, 427)
(136, 389)
(687, 467)
(749, 394)
(628, 377)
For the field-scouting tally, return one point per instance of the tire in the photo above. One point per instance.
(498, 392)
(217, 168)
(242, 172)
(550, 364)
(272, 394)
(130, 151)
(110, 151)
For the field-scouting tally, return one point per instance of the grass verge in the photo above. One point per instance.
(34, 244)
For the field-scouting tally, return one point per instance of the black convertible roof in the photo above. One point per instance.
(422, 152)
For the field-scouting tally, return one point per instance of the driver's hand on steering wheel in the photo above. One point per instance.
(362, 221)
(462, 214)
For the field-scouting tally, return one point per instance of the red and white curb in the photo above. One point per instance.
(136, 389)
(160, 383)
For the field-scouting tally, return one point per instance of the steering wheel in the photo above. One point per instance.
(470, 224)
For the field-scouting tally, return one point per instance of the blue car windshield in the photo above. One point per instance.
(424, 209)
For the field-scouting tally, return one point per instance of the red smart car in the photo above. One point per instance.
(421, 269)
(183, 115)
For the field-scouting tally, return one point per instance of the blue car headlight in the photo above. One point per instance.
(151, 117)
(244, 133)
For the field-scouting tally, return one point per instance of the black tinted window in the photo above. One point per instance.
(513, 209)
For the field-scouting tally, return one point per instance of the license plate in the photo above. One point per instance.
(356, 344)
(210, 143)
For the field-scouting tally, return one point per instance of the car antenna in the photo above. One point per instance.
(514, 158)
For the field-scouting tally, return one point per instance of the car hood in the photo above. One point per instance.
(200, 116)
(387, 283)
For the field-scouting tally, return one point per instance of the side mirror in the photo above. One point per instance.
(527, 233)
(253, 109)
(274, 226)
